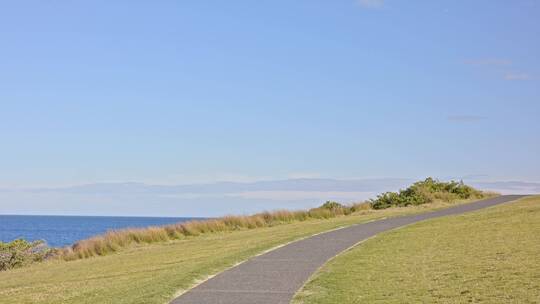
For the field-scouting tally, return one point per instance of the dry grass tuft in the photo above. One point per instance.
(115, 240)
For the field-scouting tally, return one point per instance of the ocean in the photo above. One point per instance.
(60, 231)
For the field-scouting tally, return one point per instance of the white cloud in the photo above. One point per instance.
(318, 196)
(517, 76)
(496, 65)
(509, 187)
(300, 175)
(371, 3)
(203, 178)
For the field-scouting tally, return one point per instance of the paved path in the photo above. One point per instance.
(274, 277)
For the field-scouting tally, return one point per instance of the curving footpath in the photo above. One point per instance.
(274, 277)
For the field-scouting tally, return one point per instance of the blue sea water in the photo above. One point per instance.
(60, 231)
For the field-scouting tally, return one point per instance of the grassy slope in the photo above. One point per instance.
(154, 273)
(490, 256)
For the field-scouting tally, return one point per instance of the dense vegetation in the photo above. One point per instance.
(20, 253)
(425, 192)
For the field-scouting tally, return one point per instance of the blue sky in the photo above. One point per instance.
(176, 92)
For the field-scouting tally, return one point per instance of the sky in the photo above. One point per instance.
(187, 92)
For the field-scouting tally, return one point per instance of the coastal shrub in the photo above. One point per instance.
(20, 252)
(331, 205)
(360, 207)
(425, 192)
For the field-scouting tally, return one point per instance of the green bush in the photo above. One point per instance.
(331, 205)
(425, 192)
(337, 208)
(21, 252)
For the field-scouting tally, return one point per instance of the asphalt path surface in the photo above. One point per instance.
(274, 277)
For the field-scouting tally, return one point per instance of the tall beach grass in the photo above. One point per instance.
(115, 240)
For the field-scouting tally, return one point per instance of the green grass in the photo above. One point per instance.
(155, 273)
(489, 256)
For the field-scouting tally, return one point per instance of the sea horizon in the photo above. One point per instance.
(65, 230)
(83, 215)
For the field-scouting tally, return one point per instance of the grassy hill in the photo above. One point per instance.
(156, 272)
(152, 265)
(489, 256)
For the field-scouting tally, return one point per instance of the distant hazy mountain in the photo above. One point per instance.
(515, 187)
(304, 184)
(211, 199)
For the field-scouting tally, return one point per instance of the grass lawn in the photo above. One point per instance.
(489, 256)
(156, 273)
